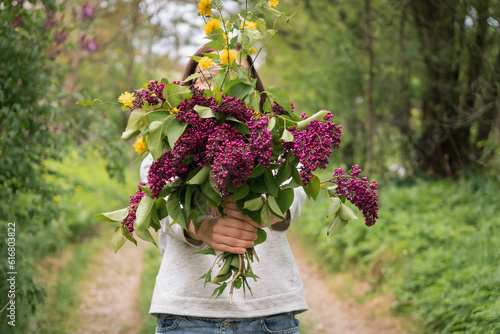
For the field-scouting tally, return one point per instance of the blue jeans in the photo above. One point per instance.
(284, 323)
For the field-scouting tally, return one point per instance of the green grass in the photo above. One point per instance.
(436, 246)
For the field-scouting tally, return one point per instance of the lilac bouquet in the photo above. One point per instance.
(221, 141)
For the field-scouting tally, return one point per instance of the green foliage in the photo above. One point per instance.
(435, 245)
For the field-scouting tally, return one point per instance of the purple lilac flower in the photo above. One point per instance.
(128, 222)
(233, 106)
(87, 12)
(260, 141)
(232, 166)
(161, 172)
(313, 146)
(359, 192)
(278, 110)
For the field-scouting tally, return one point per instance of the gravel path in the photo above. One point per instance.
(328, 314)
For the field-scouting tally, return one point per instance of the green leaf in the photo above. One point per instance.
(174, 94)
(271, 183)
(280, 97)
(285, 199)
(204, 112)
(88, 102)
(256, 171)
(259, 185)
(254, 204)
(113, 216)
(175, 211)
(271, 123)
(192, 76)
(302, 125)
(201, 176)
(261, 236)
(207, 251)
(275, 209)
(145, 235)
(296, 176)
(284, 173)
(336, 225)
(287, 136)
(159, 115)
(187, 200)
(137, 119)
(334, 206)
(346, 212)
(146, 212)
(264, 215)
(210, 192)
(241, 192)
(129, 134)
(239, 90)
(117, 240)
(155, 141)
(174, 129)
(126, 233)
(313, 187)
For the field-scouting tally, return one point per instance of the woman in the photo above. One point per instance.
(180, 301)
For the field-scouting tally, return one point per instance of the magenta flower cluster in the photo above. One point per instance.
(152, 96)
(313, 146)
(359, 192)
(231, 155)
(128, 222)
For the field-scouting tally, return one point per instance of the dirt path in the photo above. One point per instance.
(328, 314)
(110, 292)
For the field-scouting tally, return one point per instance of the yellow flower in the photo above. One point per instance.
(173, 111)
(256, 113)
(226, 37)
(126, 99)
(205, 8)
(227, 56)
(205, 63)
(249, 25)
(56, 198)
(212, 24)
(273, 3)
(252, 51)
(139, 145)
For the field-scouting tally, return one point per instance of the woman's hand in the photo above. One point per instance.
(225, 234)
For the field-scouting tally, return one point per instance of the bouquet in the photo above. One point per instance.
(231, 139)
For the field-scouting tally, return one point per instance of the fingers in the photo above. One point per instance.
(228, 234)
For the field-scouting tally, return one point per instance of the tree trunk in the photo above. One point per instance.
(443, 147)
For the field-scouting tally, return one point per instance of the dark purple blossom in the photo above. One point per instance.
(86, 13)
(279, 110)
(359, 192)
(313, 146)
(260, 141)
(128, 222)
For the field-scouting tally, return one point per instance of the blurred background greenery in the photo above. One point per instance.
(415, 85)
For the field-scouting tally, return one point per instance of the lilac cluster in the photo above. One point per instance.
(260, 141)
(128, 222)
(161, 172)
(153, 95)
(313, 146)
(233, 106)
(186, 108)
(359, 192)
(232, 165)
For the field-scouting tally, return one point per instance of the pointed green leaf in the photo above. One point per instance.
(313, 187)
(175, 211)
(334, 206)
(207, 251)
(155, 139)
(254, 204)
(271, 123)
(137, 119)
(261, 236)
(117, 240)
(285, 199)
(126, 233)
(336, 225)
(174, 129)
(271, 183)
(146, 212)
(280, 97)
(346, 212)
(241, 192)
(204, 112)
(174, 94)
(275, 209)
(287, 136)
(129, 134)
(145, 235)
(192, 76)
(302, 125)
(201, 176)
(264, 215)
(114, 216)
